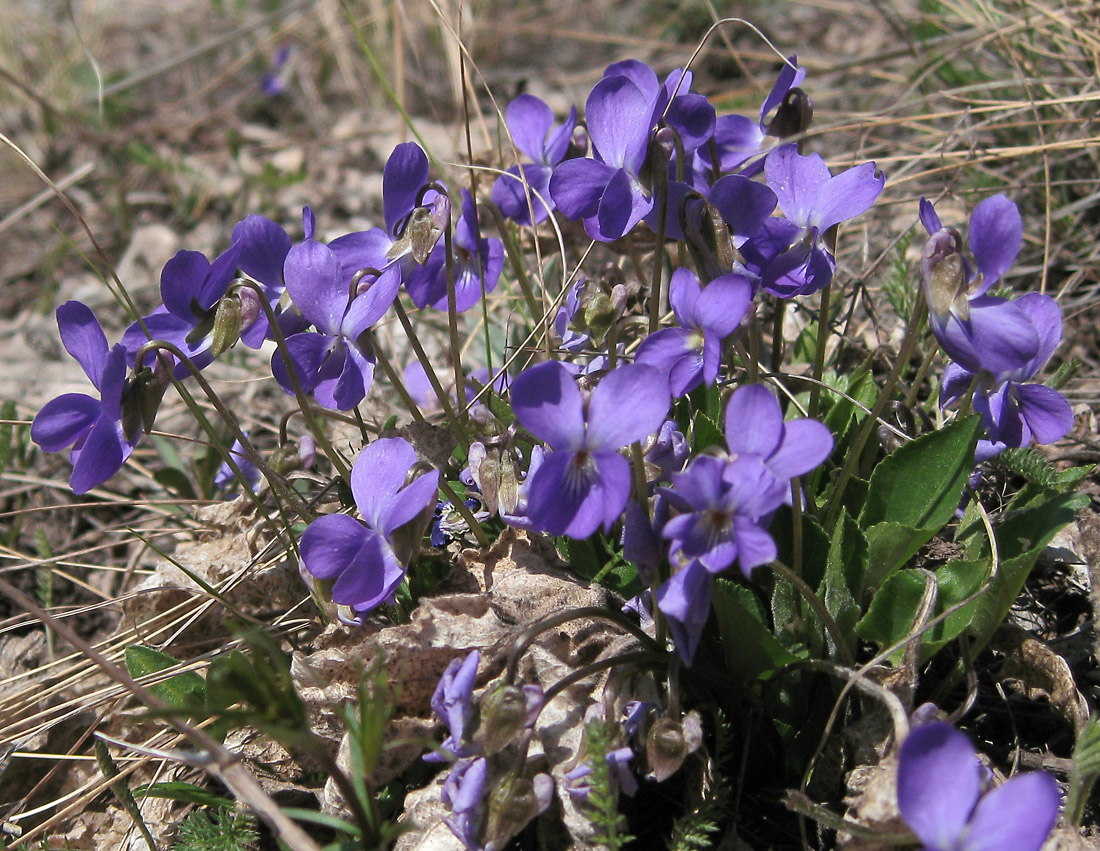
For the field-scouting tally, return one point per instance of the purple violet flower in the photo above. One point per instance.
(365, 558)
(264, 249)
(190, 288)
(531, 126)
(92, 427)
(692, 354)
(1014, 412)
(622, 778)
(584, 482)
(754, 426)
(606, 192)
(940, 796)
(977, 331)
(336, 363)
(478, 262)
(792, 259)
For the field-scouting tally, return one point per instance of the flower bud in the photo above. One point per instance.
(708, 240)
(599, 315)
(669, 742)
(503, 715)
(793, 115)
(250, 306)
(579, 142)
(419, 237)
(228, 321)
(141, 397)
(513, 802)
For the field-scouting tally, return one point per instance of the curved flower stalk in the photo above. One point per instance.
(532, 128)
(94, 428)
(583, 483)
(692, 354)
(1013, 411)
(789, 254)
(978, 331)
(335, 363)
(478, 262)
(943, 796)
(366, 560)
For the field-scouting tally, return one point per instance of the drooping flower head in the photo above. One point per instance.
(532, 128)
(583, 483)
(940, 795)
(93, 427)
(367, 559)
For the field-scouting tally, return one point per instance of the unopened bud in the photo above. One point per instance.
(793, 115)
(708, 239)
(513, 802)
(665, 748)
(599, 314)
(503, 716)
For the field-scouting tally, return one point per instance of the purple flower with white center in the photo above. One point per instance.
(93, 427)
(366, 559)
(478, 262)
(606, 192)
(977, 331)
(452, 702)
(723, 504)
(692, 354)
(531, 126)
(584, 483)
(190, 288)
(793, 262)
(685, 602)
(226, 479)
(1014, 412)
(940, 796)
(336, 363)
(464, 792)
(754, 426)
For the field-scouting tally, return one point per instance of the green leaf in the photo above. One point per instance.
(186, 691)
(842, 586)
(889, 546)
(751, 651)
(323, 819)
(187, 793)
(892, 613)
(920, 484)
(707, 433)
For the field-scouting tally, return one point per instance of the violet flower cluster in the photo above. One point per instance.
(996, 345)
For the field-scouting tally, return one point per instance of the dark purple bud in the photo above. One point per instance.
(793, 115)
(250, 307)
(441, 211)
